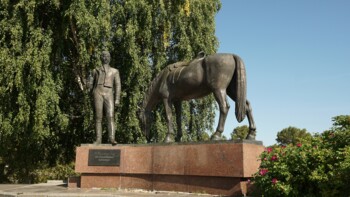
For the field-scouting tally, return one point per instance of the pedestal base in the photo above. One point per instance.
(209, 167)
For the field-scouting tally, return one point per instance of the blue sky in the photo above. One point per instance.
(297, 57)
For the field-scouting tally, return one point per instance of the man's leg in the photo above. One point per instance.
(98, 103)
(109, 107)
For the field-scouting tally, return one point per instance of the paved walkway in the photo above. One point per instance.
(59, 189)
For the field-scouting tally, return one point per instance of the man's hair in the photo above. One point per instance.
(106, 52)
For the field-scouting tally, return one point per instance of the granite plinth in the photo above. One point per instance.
(207, 167)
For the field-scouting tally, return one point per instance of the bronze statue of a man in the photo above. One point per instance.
(105, 82)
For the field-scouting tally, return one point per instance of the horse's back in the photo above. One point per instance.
(219, 69)
(220, 59)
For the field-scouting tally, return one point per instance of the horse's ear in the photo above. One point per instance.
(201, 54)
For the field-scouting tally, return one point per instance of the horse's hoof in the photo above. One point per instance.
(216, 136)
(178, 139)
(113, 142)
(250, 137)
(168, 139)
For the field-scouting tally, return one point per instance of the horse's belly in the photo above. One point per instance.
(196, 95)
(191, 91)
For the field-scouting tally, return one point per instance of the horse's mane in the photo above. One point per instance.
(151, 88)
(155, 81)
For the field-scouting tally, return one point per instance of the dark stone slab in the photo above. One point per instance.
(104, 157)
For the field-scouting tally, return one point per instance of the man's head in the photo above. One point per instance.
(105, 57)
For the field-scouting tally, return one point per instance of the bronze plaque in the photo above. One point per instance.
(104, 157)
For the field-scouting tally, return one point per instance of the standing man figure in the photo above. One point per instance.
(106, 93)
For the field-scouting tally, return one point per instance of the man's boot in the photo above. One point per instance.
(98, 128)
(111, 132)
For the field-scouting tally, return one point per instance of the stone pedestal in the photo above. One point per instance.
(218, 167)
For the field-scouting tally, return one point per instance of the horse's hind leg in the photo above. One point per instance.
(220, 96)
(252, 129)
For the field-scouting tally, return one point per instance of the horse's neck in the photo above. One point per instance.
(151, 99)
(149, 103)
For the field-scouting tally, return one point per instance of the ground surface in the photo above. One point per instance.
(53, 189)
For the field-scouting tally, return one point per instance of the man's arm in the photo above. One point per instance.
(117, 87)
(91, 80)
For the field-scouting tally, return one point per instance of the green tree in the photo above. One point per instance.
(341, 122)
(240, 132)
(47, 50)
(30, 113)
(160, 33)
(292, 135)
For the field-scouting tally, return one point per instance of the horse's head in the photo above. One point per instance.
(145, 122)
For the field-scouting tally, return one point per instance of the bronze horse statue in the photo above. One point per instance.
(220, 74)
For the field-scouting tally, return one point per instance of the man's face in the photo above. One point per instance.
(105, 57)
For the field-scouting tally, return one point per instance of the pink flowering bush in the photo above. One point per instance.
(317, 167)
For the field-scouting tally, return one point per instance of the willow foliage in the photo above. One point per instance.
(49, 47)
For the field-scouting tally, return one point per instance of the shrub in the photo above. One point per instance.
(317, 167)
(59, 172)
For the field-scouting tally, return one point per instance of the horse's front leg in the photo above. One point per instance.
(220, 96)
(170, 135)
(252, 129)
(178, 110)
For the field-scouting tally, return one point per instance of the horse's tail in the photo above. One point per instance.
(240, 84)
